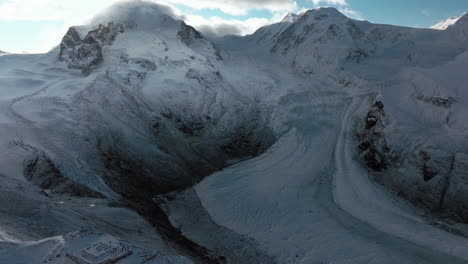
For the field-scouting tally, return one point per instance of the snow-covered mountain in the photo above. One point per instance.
(318, 139)
(443, 25)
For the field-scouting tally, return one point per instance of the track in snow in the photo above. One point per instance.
(30, 126)
(15, 115)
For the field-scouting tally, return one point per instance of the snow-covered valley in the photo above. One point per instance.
(319, 139)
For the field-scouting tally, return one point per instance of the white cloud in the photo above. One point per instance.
(50, 10)
(30, 10)
(331, 2)
(238, 7)
(218, 26)
(352, 13)
(79, 11)
(65, 13)
(62, 9)
(59, 15)
(426, 12)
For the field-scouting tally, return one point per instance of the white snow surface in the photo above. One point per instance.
(443, 25)
(312, 77)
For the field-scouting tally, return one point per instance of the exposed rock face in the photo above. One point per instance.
(105, 35)
(428, 170)
(40, 171)
(85, 54)
(79, 54)
(445, 102)
(132, 70)
(427, 175)
(357, 55)
(354, 31)
(188, 34)
(372, 142)
(290, 38)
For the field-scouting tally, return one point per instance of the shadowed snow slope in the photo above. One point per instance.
(134, 110)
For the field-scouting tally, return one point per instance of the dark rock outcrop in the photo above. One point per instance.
(354, 31)
(357, 55)
(78, 54)
(85, 54)
(188, 34)
(132, 70)
(105, 35)
(440, 101)
(443, 102)
(427, 169)
(372, 143)
(42, 172)
(431, 177)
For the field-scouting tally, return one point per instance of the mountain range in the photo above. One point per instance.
(318, 139)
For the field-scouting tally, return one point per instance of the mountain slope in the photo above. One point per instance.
(451, 22)
(295, 125)
(291, 183)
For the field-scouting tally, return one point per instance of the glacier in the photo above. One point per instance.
(318, 139)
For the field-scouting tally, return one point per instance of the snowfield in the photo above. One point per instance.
(319, 139)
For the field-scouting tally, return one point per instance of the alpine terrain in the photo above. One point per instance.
(318, 139)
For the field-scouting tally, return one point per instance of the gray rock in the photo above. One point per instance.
(42, 172)
(79, 54)
(85, 54)
(372, 142)
(188, 34)
(440, 101)
(105, 35)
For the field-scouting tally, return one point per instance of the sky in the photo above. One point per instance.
(34, 26)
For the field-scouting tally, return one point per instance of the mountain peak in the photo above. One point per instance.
(320, 13)
(290, 18)
(324, 12)
(453, 21)
(144, 14)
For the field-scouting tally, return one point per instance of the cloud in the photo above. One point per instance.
(239, 7)
(31, 10)
(352, 13)
(426, 12)
(145, 13)
(217, 26)
(65, 13)
(50, 10)
(331, 2)
(57, 10)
